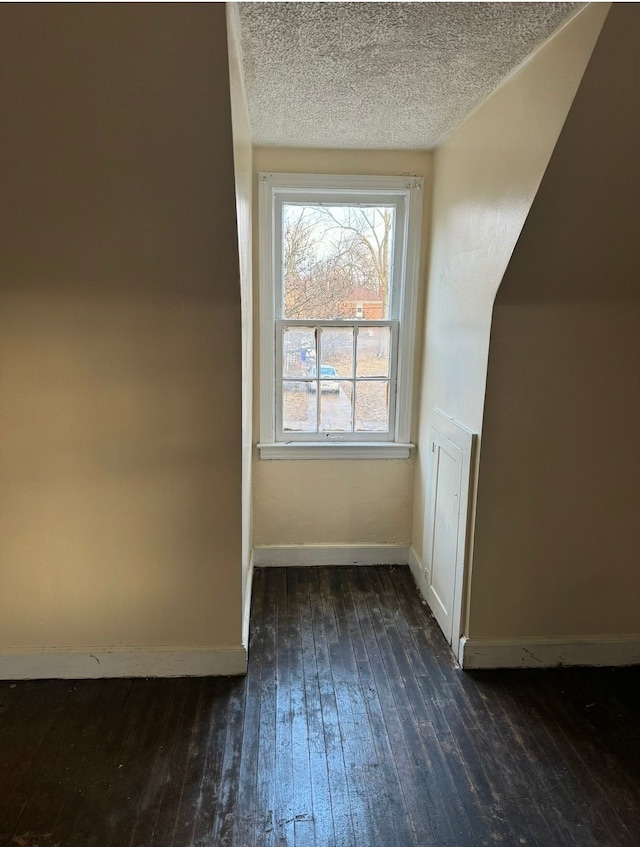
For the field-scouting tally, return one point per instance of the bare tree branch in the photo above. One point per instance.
(325, 258)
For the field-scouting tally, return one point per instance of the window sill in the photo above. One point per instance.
(331, 450)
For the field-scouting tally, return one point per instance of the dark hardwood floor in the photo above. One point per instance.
(352, 727)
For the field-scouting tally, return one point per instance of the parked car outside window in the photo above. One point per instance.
(325, 387)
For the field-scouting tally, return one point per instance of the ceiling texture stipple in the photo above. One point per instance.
(380, 75)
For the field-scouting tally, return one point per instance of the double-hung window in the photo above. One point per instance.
(339, 260)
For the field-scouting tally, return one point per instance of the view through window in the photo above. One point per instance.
(337, 262)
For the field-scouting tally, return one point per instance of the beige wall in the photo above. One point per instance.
(120, 421)
(334, 501)
(243, 162)
(556, 548)
(485, 178)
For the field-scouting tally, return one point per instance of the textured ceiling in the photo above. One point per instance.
(380, 75)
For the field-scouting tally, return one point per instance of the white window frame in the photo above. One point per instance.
(406, 194)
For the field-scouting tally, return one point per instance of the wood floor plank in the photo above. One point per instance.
(223, 833)
(266, 826)
(246, 812)
(594, 820)
(26, 746)
(302, 787)
(534, 760)
(78, 752)
(587, 720)
(345, 824)
(45, 807)
(353, 728)
(14, 699)
(170, 771)
(199, 799)
(284, 807)
(418, 625)
(89, 823)
(390, 812)
(488, 754)
(455, 823)
(323, 829)
(133, 781)
(416, 799)
(110, 813)
(178, 824)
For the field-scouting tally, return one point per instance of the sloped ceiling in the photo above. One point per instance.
(380, 75)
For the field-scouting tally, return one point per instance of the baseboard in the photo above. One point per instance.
(613, 651)
(416, 570)
(269, 556)
(246, 607)
(96, 663)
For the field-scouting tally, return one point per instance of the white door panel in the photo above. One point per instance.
(445, 530)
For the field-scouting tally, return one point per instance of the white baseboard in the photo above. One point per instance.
(246, 606)
(612, 651)
(270, 556)
(96, 663)
(496, 653)
(416, 571)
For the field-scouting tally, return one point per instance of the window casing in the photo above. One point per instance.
(336, 378)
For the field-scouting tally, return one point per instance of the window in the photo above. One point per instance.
(338, 282)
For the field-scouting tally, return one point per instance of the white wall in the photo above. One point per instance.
(120, 350)
(334, 501)
(485, 178)
(556, 550)
(243, 161)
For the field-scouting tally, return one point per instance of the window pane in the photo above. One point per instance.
(298, 351)
(336, 261)
(372, 406)
(335, 406)
(299, 407)
(374, 347)
(336, 351)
